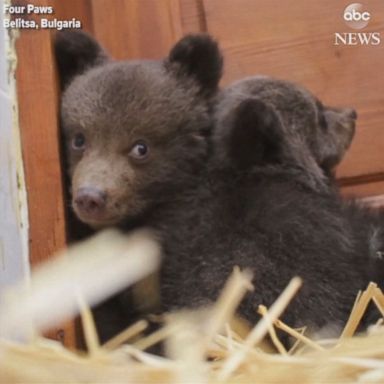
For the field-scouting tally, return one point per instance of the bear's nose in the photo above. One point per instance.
(91, 201)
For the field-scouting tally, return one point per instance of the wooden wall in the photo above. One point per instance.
(37, 88)
(295, 40)
(289, 39)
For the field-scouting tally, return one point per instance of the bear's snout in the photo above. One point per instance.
(90, 202)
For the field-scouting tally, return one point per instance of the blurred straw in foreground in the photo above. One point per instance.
(90, 272)
(202, 346)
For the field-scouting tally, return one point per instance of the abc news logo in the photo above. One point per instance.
(357, 17)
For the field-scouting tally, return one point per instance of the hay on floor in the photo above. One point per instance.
(201, 346)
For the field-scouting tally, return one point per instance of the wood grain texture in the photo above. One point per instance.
(294, 40)
(193, 16)
(38, 114)
(363, 190)
(79, 9)
(137, 29)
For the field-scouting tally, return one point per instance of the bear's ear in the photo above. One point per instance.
(199, 56)
(342, 120)
(76, 51)
(256, 136)
(340, 126)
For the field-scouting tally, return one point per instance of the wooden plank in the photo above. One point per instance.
(79, 9)
(193, 16)
(38, 113)
(363, 190)
(294, 40)
(132, 29)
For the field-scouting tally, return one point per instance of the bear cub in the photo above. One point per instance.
(136, 135)
(237, 185)
(317, 136)
(135, 131)
(320, 135)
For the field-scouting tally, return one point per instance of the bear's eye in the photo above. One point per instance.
(78, 142)
(139, 150)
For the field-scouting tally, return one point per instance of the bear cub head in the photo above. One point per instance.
(264, 121)
(135, 131)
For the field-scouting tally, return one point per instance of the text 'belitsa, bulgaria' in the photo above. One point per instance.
(19, 20)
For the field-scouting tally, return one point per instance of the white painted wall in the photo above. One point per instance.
(14, 263)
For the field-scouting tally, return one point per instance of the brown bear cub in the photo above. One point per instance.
(136, 136)
(251, 191)
(135, 131)
(319, 136)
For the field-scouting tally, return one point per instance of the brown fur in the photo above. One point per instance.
(115, 104)
(266, 209)
(318, 135)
